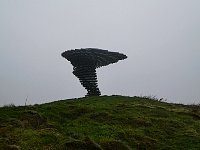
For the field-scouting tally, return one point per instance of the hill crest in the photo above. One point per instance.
(102, 122)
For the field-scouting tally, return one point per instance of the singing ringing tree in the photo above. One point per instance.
(85, 61)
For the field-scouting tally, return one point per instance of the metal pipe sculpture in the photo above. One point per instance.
(85, 61)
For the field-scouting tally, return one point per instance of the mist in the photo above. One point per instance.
(160, 38)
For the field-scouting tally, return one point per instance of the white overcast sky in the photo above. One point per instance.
(160, 37)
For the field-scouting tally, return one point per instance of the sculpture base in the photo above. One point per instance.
(88, 78)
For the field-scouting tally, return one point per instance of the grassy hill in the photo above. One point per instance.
(106, 122)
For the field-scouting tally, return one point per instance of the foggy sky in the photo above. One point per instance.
(161, 39)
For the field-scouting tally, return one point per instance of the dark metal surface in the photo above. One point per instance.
(85, 61)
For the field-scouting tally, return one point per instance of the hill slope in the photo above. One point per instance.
(106, 122)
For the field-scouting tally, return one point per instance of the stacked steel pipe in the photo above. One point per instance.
(85, 61)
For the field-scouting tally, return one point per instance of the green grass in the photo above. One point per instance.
(105, 122)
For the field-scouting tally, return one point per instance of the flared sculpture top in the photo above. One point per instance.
(85, 61)
(92, 57)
